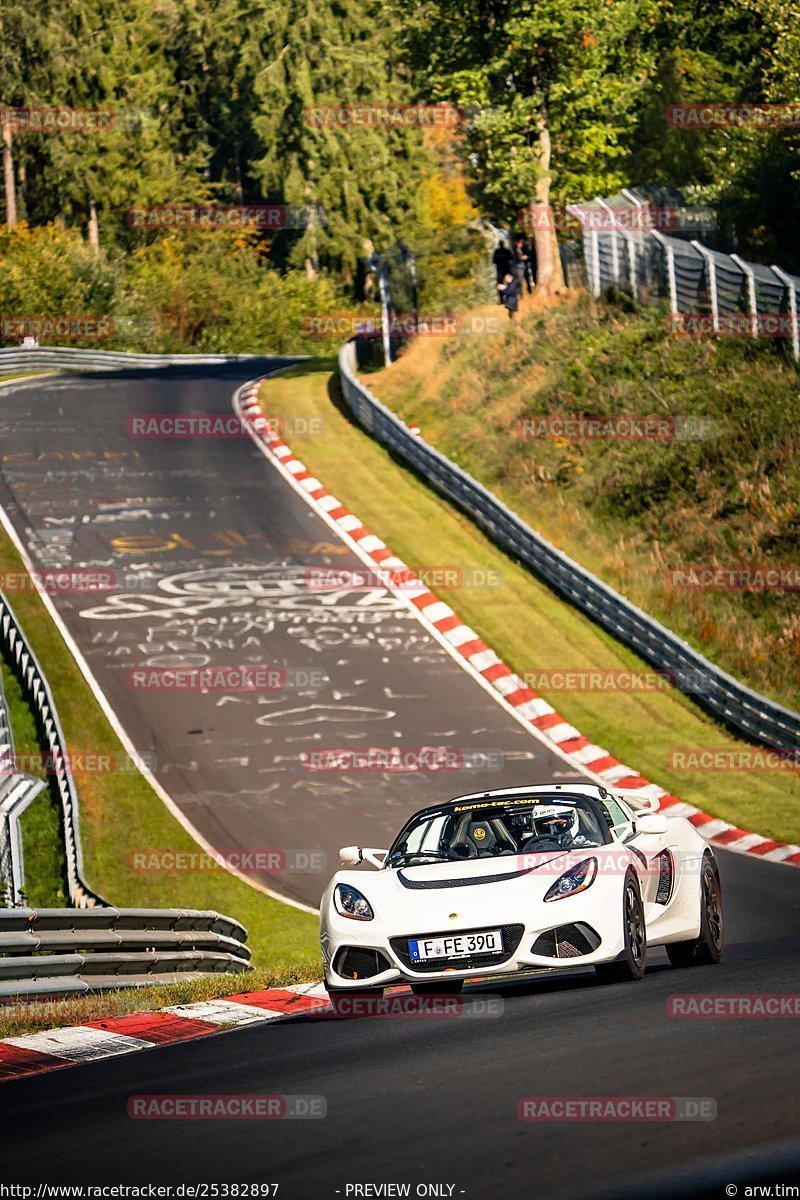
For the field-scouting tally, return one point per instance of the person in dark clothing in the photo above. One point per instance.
(519, 261)
(510, 291)
(521, 266)
(502, 262)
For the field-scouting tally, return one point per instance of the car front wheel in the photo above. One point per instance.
(631, 966)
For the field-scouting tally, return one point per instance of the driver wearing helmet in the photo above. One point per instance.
(556, 825)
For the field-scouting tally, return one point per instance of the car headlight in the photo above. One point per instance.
(349, 902)
(576, 879)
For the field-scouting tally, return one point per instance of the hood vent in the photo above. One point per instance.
(424, 885)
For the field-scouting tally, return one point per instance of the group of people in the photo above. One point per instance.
(515, 268)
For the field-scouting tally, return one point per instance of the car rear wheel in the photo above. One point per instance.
(707, 948)
(631, 966)
(442, 987)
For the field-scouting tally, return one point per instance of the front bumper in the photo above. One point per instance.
(567, 938)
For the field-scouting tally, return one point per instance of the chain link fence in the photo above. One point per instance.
(642, 241)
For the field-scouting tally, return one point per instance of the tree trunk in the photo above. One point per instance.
(8, 177)
(312, 259)
(312, 263)
(549, 275)
(94, 228)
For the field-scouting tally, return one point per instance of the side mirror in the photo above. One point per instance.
(353, 856)
(652, 823)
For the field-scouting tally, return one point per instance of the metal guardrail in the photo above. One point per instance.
(743, 710)
(17, 791)
(37, 692)
(56, 951)
(71, 358)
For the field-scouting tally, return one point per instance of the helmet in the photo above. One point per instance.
(555, 820)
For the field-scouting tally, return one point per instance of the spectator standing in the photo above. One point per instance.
(530, 264)
(510, 290)
(502, 262)
(519, 264)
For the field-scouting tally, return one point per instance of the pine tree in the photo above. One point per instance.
(207, 42)
(24, 50)
(359, 183)
(109, 56)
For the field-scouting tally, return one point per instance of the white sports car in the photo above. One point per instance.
(551, 875)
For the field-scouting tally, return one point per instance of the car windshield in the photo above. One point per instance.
(489, 829)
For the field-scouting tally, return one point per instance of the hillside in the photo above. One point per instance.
(712, 478)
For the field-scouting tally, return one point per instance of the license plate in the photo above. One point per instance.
(457, 945)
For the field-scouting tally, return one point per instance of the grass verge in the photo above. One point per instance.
(120, 813)
(17, 1019)
(521, 619)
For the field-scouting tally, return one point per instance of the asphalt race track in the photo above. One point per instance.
(434, 1100)
(211, 548)
(423, 1101)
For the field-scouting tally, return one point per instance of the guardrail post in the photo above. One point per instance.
(591, 249)
(712, 282)
(787, 282)
(747, 271)
(642, 229)
(594, 258)
(614, 245)
(672, 284)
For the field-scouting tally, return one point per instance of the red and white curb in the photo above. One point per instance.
(481, 661)
(51, 1049)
